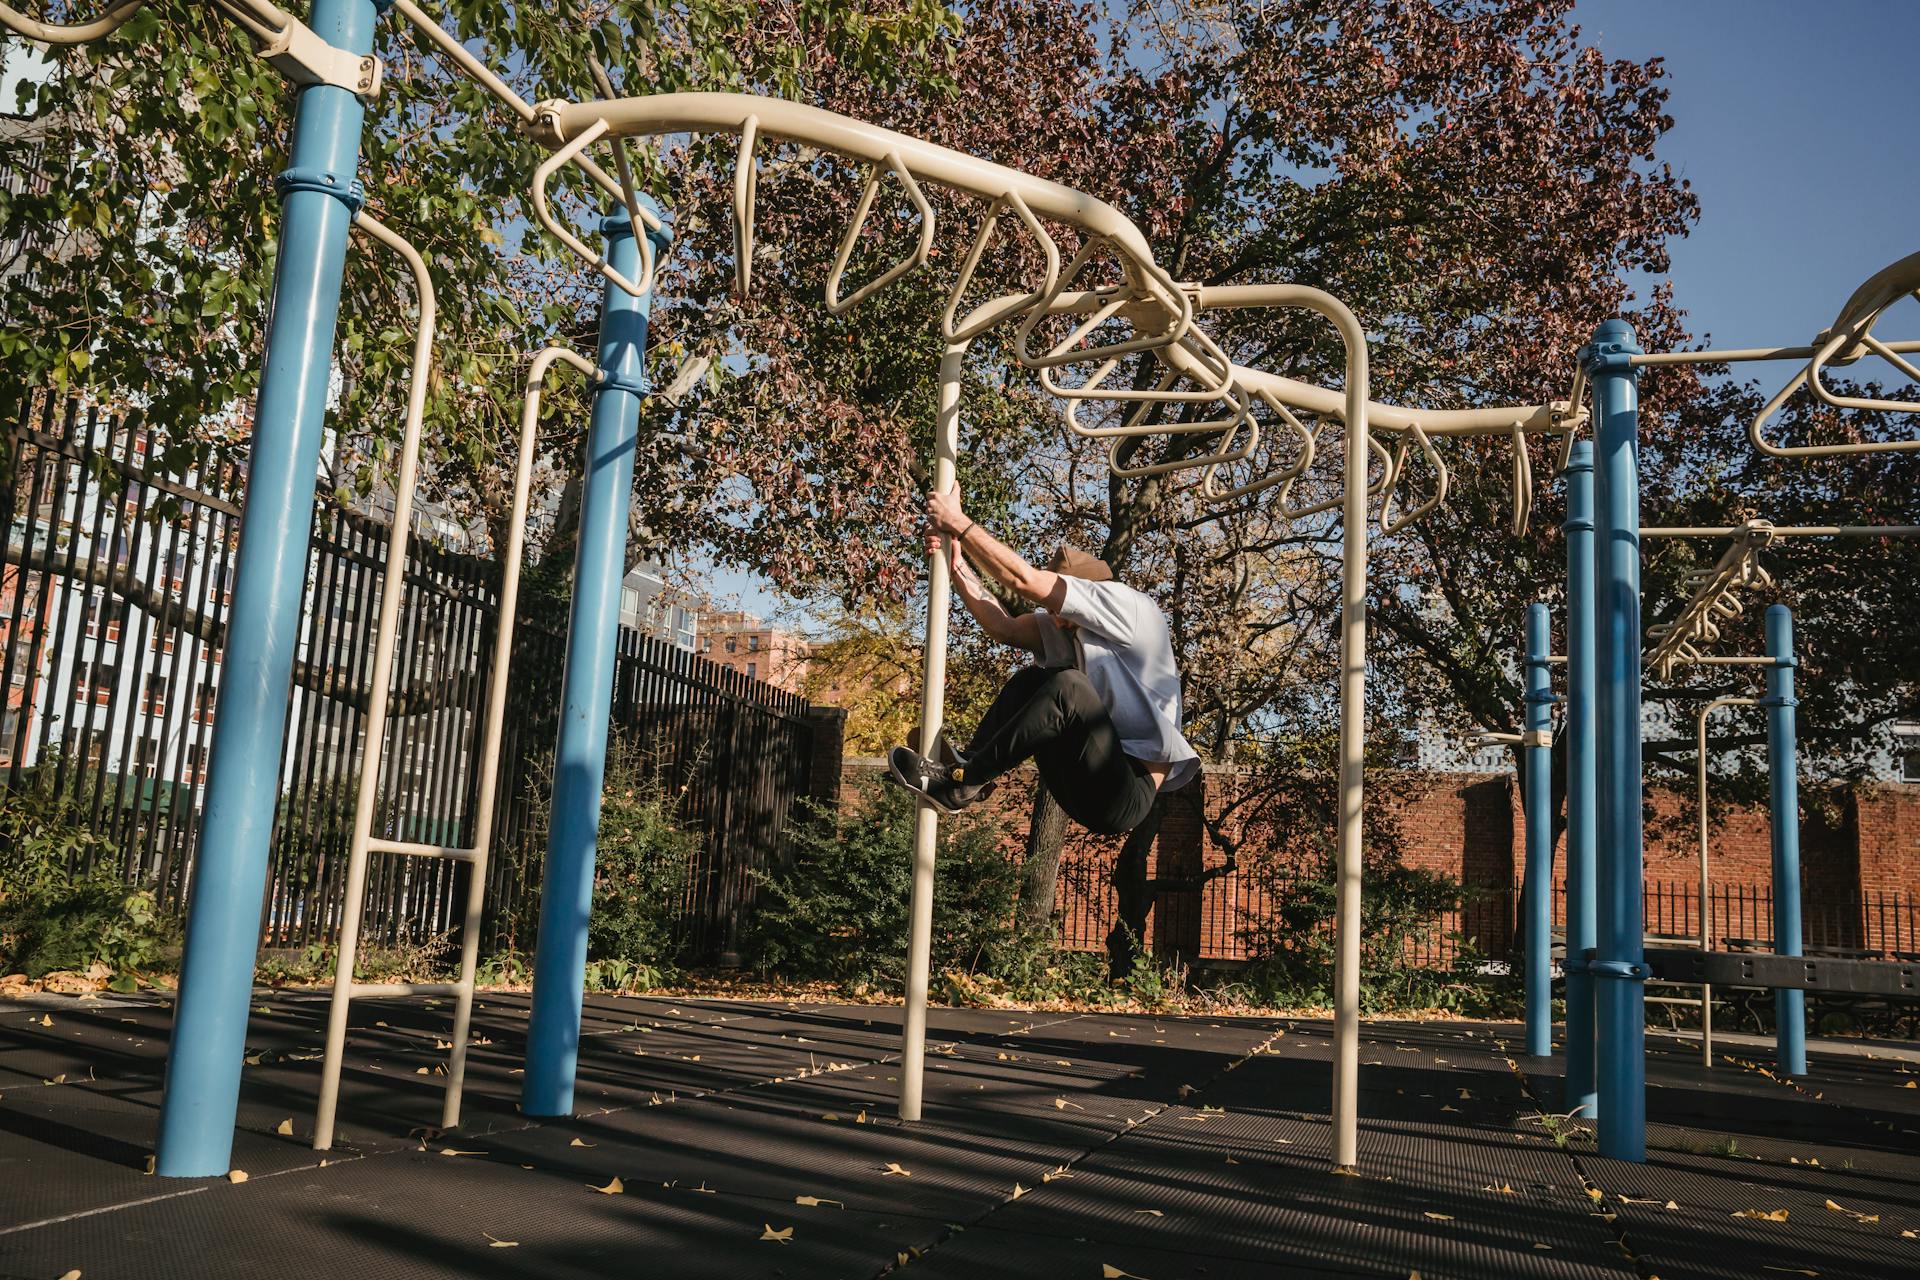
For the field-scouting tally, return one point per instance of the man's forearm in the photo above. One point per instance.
(1005, 566)
(986, 610)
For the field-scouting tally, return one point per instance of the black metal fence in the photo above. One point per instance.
(114, 585)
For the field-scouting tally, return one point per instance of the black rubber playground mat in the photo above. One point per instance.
(1706, 1216)
(1052, 1145)
(418, 1215)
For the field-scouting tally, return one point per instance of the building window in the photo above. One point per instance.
(146, 758)
(98, 689)
(1906, 750)
(733, 644)
(753, 644)
(155, 700)
(94, 744)
(753, 671)
(203, 701)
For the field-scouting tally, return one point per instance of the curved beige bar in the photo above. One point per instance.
(729, 112)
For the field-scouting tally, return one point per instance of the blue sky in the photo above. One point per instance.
(1793, 121)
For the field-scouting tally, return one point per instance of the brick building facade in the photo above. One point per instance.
(1859, 846)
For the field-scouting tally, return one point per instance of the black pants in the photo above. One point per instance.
(1055, 717)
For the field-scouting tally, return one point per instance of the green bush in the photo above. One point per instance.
(1400, 911)
(63, 903)
(838, 910)
(641, 871)
(643, 864)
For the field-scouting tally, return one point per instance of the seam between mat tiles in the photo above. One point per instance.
(529, 1124)
(1617, 1225)
(888, 1268)
(171, 1195)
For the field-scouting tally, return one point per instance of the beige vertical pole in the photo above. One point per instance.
(368, 783)
(913, 1043)
(1353, 742)
(1706, 880)
(496, 716)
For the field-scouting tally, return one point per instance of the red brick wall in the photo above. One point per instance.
(1866, 839)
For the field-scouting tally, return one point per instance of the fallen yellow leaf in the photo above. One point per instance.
(1061, 1172)
(613, 1188)
(814, 1202)
(577, 1143)
(1061, 1104)
(1110, 1272)
(285, 1127)
(1018, 1191)
(1155, 1212)
(449, 1151)
(1505, 1189)
(236, 1176)
(784, 1235)
(46, 1019)
(495, 1242)
(72, 1275)
(1439, 1217)
(893, 1170)
(1763, 1215)
(1854, 1214)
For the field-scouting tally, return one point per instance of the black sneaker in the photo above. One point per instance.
(936, 784)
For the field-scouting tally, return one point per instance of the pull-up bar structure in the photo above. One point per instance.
(1098, 281)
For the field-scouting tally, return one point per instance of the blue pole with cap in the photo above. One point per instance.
(1619, 970)
(1789, 1005)
(1582, 756)
(1537, 891)
(586, 699)
(319, 197)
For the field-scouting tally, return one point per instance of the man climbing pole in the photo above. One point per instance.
(1099, 713)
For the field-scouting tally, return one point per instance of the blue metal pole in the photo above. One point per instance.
(1789, 1007)
(1582, 758)
(1536, 742)
(586, 699)
(1619, 971)
(319, 197)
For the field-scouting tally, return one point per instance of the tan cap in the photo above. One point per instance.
(1072, 562)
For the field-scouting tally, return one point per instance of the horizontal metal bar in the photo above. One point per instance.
(411, 849)
(1792, 973)
(1787, 531)
(1737, 355)
(381, 990)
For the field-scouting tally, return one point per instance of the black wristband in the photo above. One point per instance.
(961, 536)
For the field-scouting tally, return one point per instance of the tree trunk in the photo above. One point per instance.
(1135, 893)
(1040, 868)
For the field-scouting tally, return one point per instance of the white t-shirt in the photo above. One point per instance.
(1129, 661)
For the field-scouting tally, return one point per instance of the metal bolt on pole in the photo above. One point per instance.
(319, 198)
(1619, 971)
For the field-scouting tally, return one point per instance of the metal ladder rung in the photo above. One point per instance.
(412, 849)
(366, 990)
